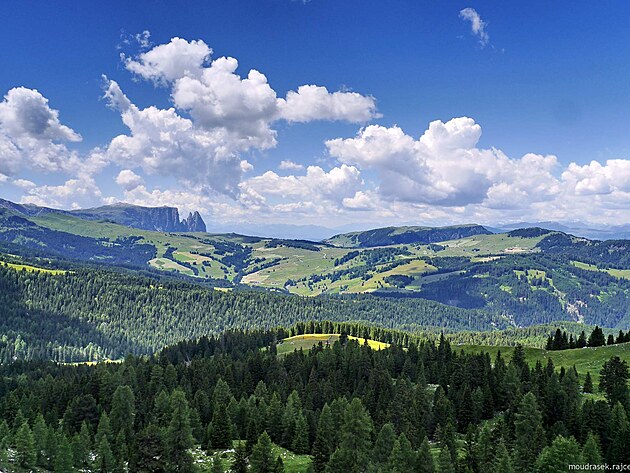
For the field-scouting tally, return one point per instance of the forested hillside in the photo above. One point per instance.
(528, 276)
(230, 403)
(85, 314)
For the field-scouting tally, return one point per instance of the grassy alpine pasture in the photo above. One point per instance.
(309, 340)
(33, 269)
(618, 273)
(584, 359)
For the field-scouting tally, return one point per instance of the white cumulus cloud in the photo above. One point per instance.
(31, 134)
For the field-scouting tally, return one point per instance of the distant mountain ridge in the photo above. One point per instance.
(162, 219)
(405, 235)
(592, 232)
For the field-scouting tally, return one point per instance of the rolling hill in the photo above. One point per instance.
(524, 277)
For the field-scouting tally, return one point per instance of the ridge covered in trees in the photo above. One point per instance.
(87, 314)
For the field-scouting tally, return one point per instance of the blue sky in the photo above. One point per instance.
(548, 81)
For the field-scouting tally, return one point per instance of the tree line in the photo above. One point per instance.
(561, 341)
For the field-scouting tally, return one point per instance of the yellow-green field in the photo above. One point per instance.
(618, 273)
(309, 340)
(33, 269)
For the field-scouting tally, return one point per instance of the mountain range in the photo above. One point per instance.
(161, 219)
(517, 278)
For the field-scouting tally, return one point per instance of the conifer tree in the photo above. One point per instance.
(220, 432)
(105, 462)
(5, 434)
(279, 466)
(559, 455)
(588, 384)
(502, 459)
(81, 446)
(292, 410)
(300, 444)
(63, 459)
(274, 418)
(353, 453)
(179, 437)
(40, 430)
(51, 448)
(261, 459)
(613, 381)
(121, 452)
(529, 433)
(424, 460)
(591, 453)
(25, 446)
(104, 429)
(447, 439)
(402, 458)
(596, 338)
(148, 455)
(123, 412)
(323, 446)
(384, 444)
(445, 462)
(619, 435)
(239, 462)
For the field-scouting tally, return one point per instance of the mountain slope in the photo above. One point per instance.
(405, 235)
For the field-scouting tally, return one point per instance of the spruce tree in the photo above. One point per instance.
(597, 338)
(588, 384)
(82, 446)
(529, 433)
(239, 462)
(279, 466)
(445, 462)
(5, 434)
(121, 452)
(274, 418)
(63, 459)
(149, 450)
(300, 444)
(51, 448)
(123, 412)
(591, 453)
(25, 446)
(353, 453)
(502, 459)
(323, 446)
(179, 438)
(40, 430)
(105, 462)
(104, 429)
(402, 458)
(619, 435)
(447, 439)
(384, 444)
(424, 460)
(220, 432)
(261, 459)
(613, 381)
